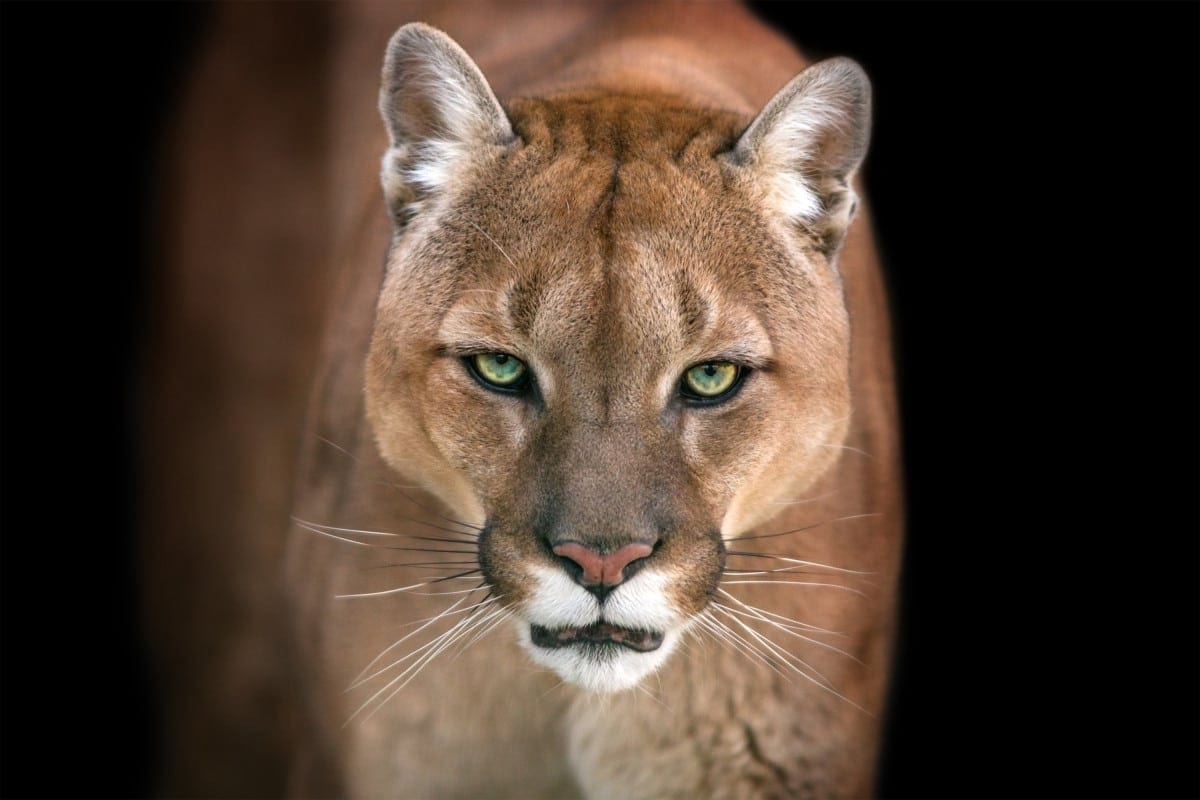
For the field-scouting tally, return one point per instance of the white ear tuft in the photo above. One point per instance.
(806, 144)
(439, 112)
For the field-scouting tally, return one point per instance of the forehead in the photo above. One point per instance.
(613, 221)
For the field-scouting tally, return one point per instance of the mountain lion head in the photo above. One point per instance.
(612, 334)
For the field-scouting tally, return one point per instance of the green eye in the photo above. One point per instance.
(711, 380)
(500, 370)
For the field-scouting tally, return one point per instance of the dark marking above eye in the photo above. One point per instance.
(694, 310)
(524, 299)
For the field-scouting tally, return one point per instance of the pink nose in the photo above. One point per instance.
(602, 569)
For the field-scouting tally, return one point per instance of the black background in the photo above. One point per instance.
(1034, 176)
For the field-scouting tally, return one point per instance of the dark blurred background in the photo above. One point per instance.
(1035, 181)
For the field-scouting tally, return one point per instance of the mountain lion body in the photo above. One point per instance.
(596, 490)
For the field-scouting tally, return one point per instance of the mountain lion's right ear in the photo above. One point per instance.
(806, 144)
(439, 112)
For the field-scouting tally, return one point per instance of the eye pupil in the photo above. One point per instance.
(710, 369)
(500, 358)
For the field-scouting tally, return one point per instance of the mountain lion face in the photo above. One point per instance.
(612, 334)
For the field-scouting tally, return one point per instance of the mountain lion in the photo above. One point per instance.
(568, 468)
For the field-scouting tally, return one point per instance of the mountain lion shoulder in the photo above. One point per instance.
(567, 468)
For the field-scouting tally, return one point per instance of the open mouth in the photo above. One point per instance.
(597, 633)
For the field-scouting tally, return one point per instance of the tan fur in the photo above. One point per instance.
(614, 226)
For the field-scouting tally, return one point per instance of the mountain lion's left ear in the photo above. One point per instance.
(440, 113)
(806, 144)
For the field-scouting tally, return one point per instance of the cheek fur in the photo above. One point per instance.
(477, 433)
(723, 448)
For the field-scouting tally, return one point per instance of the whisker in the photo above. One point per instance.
(466, 552)
(791, 659)
(650, 694)
(384, 592)
(801, 530)
(360, 532)
(435, 647)
(488, 236)
(447, 640)
(799, 583)
(427, 648)
(485, 631)
(429, 564)
(469, 574)
(738, 643)
(427, 622)
(461, 292)
(847, 447)
(447, 612)
(800, 502)
(399, 488)
(796, 561)
(556, 686)
(333, 536)
(786, 620)
(790, 632)
(446, 594)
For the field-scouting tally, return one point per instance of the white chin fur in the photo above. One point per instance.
(612, 669)
(639, 603)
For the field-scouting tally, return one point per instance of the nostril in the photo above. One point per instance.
(602, 569)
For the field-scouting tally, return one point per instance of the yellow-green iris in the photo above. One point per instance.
(712, 379)
(500, 369)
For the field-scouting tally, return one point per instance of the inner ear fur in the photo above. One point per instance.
(807, 143)
(439, 111)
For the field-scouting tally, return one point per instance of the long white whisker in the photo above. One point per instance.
(650, 694)
(332, 536)
(432, 643)
(430, 650)
(445, 594)
(471, 577)
(427, 622)
(493, 241)
(415, 669)
(804, 528)
(847, 447)
(558, 685)
(800, 502)
(397, 487)
(779, 652)
(738, 643)
(787, 620)
(798, 562)
(385, 591)
(799, 583)
(786, 629)
(461, 292)
(824, 682)
(310, 525)
(484, 631)
(470, 539)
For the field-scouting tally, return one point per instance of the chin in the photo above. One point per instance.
(601, 648)
(601, 667)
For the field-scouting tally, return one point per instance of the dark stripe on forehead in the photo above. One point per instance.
(624, 127)
(604, 230)
(695, 312)
(523, 300)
